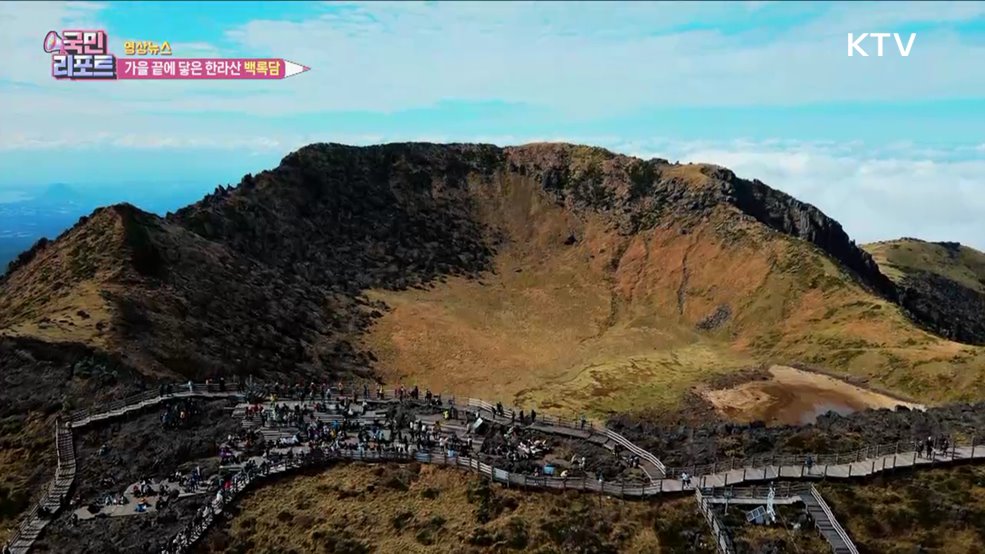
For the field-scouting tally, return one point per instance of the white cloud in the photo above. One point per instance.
(596, 60)
(874, 196)
(584, 63)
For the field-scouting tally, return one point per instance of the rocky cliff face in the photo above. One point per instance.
(786, 214)
(354, 218)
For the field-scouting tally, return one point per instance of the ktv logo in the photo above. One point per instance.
(855, 43)
(80, 55)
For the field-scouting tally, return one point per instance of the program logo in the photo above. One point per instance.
(80, 54)
(84, 55)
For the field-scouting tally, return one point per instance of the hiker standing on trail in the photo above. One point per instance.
(189, 386)
(533, 415)
(685, 480)
(930, 447)
(809, 462)
(583, 421)
(521, 417)
(944, 445)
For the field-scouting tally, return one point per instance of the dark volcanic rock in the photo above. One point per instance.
(138, 447)
(949, 308)
(686, 444)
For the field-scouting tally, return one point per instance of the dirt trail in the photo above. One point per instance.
(792, 396)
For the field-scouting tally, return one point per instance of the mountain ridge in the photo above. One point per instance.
(333, 221)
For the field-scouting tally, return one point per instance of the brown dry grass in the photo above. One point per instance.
(64, 301)
(26, 458)
(356, 508)
(931, 511)
(609, 323)
(546, 327)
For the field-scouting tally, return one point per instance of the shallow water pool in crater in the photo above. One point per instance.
(789, 404)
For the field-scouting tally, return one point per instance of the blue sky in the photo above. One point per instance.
(889, 146)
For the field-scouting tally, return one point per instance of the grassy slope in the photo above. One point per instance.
(609, 323)
(940, 510)
(414, 509)
(357, 508)
(64, 301)
(961, 264)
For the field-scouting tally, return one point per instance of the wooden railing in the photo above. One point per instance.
(578, 424)
(115, 408)
(722, 539)
(51, 499)
(869, 453)
(833, 521)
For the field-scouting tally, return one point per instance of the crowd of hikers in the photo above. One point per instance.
(224, 493)
(317, 423)
(343, 426)
(324, 391)
(180, 414)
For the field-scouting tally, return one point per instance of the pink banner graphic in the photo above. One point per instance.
(207, 68)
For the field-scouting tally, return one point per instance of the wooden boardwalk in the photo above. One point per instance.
(58, 489)
(853, 466)
(814, 503)
(663, 480)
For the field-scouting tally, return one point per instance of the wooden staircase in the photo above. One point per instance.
(824, 519)
(57, 492)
